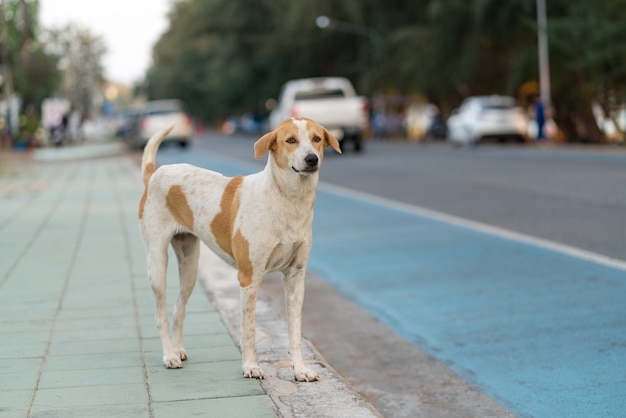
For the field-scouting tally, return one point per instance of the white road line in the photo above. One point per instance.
(476, 226)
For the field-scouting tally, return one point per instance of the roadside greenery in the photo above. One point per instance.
(225, 57)
(37, 63)
(25, 64)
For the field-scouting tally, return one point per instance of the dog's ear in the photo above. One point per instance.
(264, 144)
(331, 141)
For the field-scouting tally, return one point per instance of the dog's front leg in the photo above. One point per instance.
(293, 285)
(249, 365)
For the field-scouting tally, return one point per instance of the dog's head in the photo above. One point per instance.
(297, 144)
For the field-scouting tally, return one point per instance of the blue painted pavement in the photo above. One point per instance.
(542, 332)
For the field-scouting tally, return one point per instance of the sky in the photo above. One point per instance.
(129, 28)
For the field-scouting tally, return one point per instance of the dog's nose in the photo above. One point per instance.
(311, 160)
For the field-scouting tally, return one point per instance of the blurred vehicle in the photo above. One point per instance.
(249, 123)
(161, 114)
(127, 125)
(487, 117)
(330, 101)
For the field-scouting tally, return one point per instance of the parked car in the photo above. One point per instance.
(161, 114)
(330, 101)
(487, 117)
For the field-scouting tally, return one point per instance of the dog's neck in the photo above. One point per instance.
(291, 184)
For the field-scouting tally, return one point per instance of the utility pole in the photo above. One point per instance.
(544, 62)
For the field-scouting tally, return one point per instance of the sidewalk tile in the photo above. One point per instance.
(23, 379)
(202, 389)
(91, 377)
(101, 411)
(93, 361)
(14, 402)
(102, 395)
(92, 346)
(244, 407)
(21, 344)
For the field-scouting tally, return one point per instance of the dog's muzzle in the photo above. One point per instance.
(311, 164)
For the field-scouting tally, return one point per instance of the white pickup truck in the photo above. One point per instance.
(330, 101)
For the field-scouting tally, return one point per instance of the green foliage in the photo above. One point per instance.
(224, 57)
(80, 53)
(228, 56)
(34, 70)
(38, 76)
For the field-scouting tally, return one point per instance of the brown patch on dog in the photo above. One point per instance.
(142, 202)
(237, 246)
(148, 172)
(241, 251)
(222, 224)
(176, 202)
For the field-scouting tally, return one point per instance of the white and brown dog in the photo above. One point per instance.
(257, 223)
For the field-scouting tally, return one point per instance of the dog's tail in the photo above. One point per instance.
(149, 154)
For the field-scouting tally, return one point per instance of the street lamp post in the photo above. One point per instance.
(544, 63)
(325, 22)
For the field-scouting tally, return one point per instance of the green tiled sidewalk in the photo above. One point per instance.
(77, 313)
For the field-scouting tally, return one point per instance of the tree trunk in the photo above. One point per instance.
(579, 124)
(592, 132)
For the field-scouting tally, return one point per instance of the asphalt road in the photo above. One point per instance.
(575, 197)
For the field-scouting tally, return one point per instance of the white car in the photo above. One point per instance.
(161, 114)
(487, 117)
(330, 101)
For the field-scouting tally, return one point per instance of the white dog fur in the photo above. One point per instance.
(257, 223)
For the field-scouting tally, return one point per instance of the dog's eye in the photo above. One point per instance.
(316, 138)
(291, 140)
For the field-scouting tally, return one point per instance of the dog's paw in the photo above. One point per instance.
(302, 374)
(172, 362)
(253, 372)
(182, 354)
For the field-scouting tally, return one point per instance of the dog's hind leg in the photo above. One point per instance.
(157, 268)
(187, 250)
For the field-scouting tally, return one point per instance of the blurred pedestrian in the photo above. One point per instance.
(540, 118)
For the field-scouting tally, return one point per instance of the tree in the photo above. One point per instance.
(80, 63)
(224, 57)
(38, 77)
(32, 69)
(227, 56)
(27, 70)
(589, 58)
